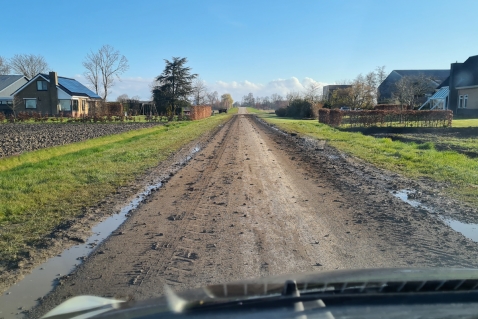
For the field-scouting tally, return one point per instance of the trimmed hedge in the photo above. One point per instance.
(199, 112)
(387, 118)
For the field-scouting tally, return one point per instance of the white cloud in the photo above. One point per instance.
(279, 86)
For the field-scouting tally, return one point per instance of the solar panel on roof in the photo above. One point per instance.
(76, 87)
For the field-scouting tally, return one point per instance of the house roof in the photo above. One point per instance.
(441, 93)
(7, 80)
(437, 75)
(466, 73)
(387, 87)
(73, 87)
(444, 83)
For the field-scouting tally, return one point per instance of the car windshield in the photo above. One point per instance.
(152, 144)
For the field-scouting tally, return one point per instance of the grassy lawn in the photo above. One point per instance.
(465, 123)
(410, 159)
(40, 189)
(257, 111)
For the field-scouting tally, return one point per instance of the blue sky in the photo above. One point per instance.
(244, 46)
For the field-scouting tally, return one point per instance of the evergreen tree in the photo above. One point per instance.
(174, 86)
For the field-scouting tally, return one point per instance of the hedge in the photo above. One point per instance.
(387, 118)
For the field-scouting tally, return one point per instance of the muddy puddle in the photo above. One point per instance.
(469, 230)
(25, 294)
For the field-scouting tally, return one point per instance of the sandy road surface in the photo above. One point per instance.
(254, 203)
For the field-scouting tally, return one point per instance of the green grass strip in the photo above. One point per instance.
(40, 189)
(465, 123)
(411, 159)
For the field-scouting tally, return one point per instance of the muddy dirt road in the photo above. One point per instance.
(256, 203)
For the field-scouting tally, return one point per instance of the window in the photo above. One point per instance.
(83, 105)
(65, 105)
(75, 105)
(42, 85)
(463, 101)
(30, 103)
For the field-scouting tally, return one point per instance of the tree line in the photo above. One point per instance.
(360, 93)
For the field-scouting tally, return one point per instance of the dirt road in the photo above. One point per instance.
(255, 202)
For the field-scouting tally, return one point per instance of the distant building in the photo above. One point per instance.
(52, 94)
(329, 89)
(463, 87)
(8, 85)
(387, 87)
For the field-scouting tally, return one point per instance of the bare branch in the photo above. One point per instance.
(4, 66)
(28, 64)
(103, 67)
(199, 92)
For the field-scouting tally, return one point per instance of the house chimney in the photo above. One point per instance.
(53, 78)
(53, 93)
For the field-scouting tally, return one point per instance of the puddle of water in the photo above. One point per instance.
(403, 195)
(24, 294)
(468, 230)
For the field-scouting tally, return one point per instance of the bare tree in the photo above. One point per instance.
(28, 64)
(380, 74)
(92, 74)
(122, 98)
(312, 92)
(103, 67)
(15, 105)
(291, 96)
(356, 94)
(370, 88)
(4, 66)
(277, 101)
(226, 101)
(212, 98)
(410, 90)
(199, 92)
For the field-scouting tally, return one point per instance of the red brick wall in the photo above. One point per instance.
(200, 112)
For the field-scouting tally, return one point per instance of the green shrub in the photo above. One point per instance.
(281, 112)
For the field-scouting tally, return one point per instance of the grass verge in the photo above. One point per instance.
(465, 123)
(41, 189)
(411, 159)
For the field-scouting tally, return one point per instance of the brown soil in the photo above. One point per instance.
(257, 202)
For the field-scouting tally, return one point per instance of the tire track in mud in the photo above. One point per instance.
(193, 225)
(256, 202)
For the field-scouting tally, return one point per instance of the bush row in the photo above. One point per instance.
(91, 118)
(298, 108)
(386, 118)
